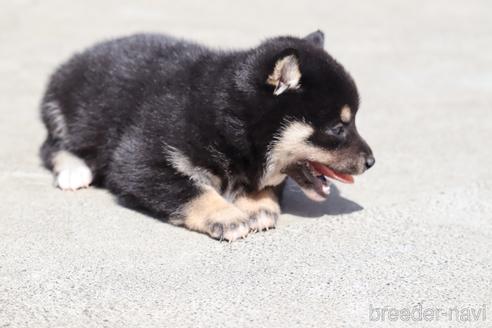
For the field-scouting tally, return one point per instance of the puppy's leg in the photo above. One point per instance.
(262, 208)
(70, 171)
(213, 215)
(143, 180)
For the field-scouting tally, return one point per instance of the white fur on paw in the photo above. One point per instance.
(74, 178)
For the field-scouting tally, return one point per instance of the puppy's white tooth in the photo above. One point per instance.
(326, 189)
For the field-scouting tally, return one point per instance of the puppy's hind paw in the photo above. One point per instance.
(74, 178)
(71, 172)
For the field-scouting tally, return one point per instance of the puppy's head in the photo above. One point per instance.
(309, 107)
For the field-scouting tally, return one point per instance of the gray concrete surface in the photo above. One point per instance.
(416, 229)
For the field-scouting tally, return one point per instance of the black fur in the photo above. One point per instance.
(124, 102)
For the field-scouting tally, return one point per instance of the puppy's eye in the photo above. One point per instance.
(338, 130)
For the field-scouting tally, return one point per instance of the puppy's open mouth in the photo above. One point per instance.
(314, 178)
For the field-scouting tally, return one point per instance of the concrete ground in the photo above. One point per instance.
(415, 232)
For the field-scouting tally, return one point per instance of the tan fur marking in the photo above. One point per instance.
(346, 114)
(265, 199)
(210, 208)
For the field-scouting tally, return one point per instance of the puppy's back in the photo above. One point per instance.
(97, 94)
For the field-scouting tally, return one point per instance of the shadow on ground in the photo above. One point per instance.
(296, 203)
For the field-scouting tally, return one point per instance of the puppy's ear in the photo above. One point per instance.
(286, 73)
(317, 38)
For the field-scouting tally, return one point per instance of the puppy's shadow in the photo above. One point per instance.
(296, 203)
(293, 202)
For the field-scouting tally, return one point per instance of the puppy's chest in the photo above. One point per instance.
(228, 184)
(272, 179)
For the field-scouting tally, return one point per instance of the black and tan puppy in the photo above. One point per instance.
(201, 137)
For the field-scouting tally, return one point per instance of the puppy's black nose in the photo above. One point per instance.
(370, 160)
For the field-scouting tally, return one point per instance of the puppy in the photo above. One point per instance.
(199, 137)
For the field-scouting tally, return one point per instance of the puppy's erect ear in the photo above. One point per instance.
(317, 38)
(286, 73)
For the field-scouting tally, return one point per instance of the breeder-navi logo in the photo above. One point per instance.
(419, 313)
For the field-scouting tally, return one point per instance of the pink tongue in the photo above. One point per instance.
(345, 178)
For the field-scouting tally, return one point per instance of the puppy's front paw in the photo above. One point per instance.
(263, 220)
(211, 214)
(229, 224)
(262, 208)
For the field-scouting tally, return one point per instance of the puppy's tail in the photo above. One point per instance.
(53, 119)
